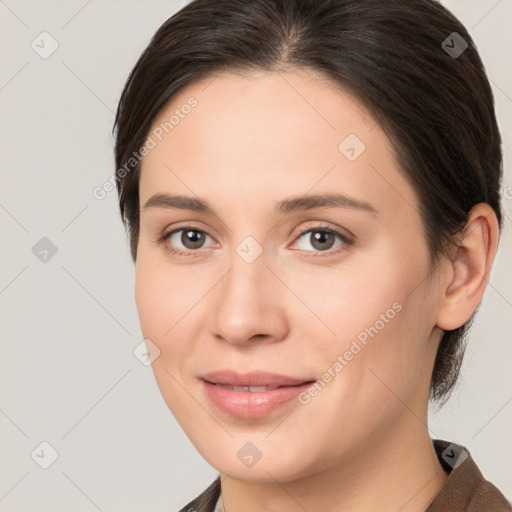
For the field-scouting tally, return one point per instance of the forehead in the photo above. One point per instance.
(304, 103)
(283, 132)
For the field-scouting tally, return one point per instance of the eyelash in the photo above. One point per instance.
(347, 241)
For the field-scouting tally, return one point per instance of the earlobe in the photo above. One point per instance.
(469, 269)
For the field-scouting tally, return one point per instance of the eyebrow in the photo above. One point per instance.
(293, 204)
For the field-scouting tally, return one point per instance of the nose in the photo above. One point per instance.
(250, 304)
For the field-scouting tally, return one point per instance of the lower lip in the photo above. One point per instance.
(248, 404)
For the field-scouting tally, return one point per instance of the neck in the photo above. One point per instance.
(399, 470)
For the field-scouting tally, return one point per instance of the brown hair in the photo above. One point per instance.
(401, 59)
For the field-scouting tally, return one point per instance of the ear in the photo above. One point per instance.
(467, 274)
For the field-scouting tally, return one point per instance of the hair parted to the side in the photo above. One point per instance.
(437, 110)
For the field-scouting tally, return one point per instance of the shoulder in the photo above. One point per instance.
(206, 501)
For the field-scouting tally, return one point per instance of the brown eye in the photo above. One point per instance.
(194, 238)
(190, 239)
(321, 239)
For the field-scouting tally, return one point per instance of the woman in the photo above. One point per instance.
(311, 189)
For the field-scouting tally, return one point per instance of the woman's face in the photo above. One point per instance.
(266, 281)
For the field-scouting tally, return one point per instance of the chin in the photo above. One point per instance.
(256, 460)
(261, 472)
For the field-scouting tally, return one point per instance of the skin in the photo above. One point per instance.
(362, 442)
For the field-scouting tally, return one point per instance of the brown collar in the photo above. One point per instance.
(465, 489)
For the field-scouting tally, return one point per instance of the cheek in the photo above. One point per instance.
(161, 292)
(150, 300)
(368, 382)
(163, 298)
(393, 359)
(377, 320)
(170, 301)
(341, 302)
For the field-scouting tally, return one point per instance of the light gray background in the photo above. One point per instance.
(69, 326)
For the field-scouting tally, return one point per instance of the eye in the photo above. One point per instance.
(189, 237)
(322, 239)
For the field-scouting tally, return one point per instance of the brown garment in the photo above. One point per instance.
(465, 489)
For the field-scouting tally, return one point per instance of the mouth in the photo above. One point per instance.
(251, 395)
(253, 379)
(252, 389)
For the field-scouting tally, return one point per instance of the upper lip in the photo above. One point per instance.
(254, 378)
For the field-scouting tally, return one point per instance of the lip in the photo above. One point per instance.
(254, 378)
(251, 404)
